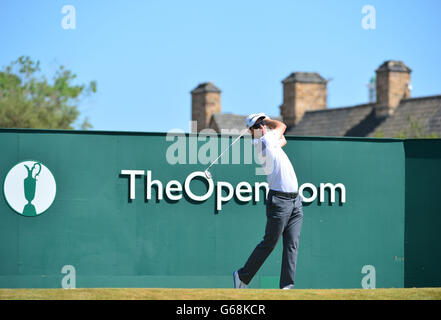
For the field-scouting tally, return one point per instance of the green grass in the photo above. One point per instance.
(221, 294)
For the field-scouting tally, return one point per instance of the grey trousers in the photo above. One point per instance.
(284, 218)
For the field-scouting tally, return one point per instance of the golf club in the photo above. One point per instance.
(208, 173)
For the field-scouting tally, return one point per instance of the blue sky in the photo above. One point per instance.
(147, 56)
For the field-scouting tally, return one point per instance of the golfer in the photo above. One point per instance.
(284, 209)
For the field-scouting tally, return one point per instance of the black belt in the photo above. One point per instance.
(292, 195)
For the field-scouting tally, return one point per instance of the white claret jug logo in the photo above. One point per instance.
(29, 188)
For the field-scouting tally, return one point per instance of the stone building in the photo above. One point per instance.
(304, 108)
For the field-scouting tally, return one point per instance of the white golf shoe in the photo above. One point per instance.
(238, 284)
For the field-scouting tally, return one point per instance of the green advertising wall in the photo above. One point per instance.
(382, 235)
(423, 213)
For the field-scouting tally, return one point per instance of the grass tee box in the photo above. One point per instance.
(108, 229)
(221, 294)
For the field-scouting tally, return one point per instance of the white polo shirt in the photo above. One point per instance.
(276, 164)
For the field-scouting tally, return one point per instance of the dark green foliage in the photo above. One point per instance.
(29, 100)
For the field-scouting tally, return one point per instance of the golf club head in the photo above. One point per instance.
(207, 174)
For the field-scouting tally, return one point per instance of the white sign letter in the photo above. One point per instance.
(243, 187)
(219, 197)
(191, 194)
(332, 187)
(132, 174)
(314, 192)
(173, 186)
(148, 186)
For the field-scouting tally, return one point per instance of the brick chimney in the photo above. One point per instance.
(393, 84)
(302, 91)
(205, 101)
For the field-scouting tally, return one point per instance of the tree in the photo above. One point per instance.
(29, 100)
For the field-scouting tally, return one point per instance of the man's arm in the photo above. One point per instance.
(277, 126)
(282, 141)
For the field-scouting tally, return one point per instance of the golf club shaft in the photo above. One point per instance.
(225, 150)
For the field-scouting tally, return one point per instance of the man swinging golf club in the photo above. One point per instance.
(284, 209)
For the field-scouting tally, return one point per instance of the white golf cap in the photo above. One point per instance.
(252, 119)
